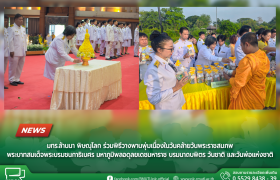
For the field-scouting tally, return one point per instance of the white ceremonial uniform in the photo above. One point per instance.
(93, 35)
(114, 46)
(98, 35)
(143, 66)
(80, 36)
(18, 45)
(102, 37)
(109, 38)
(160, 79)
(180, 51)
(6, 48)
(224, 52)
(120, 35)
(124, 30)
(271, 43)
(200, 43)
(239, 54)
(136, 41)
(49, 39)
(129, 37)
(87, 26)
(57, 55)
(206, 56)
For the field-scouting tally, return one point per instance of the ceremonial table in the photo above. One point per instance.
(203, 97)
(86, 87)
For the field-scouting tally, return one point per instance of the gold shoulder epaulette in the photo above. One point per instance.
(176, 42)
(63, 37)
(11, 25)
(156, 63)
(23, 26)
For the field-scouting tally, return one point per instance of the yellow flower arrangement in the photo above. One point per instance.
(86, 51)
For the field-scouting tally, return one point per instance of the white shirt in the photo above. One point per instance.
(199, 44)
(98, 32)
(6, 43)
(84, 32)
(87, 26)
(109, 33)
(143, 66)
(160, 81)
(136, 35)
(206, 56)
(272, 42)
(80, 33)
(59, 50)
(124, 30)
(103, 32)
(93, 33)
(239, 54)
(180, 49)
(225, 51)
(49, 39)
(17, 40)
(116, 33)
(120, 34)
(128, 32)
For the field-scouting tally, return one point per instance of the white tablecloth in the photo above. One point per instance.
(86, 87)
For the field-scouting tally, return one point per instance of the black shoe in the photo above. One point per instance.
(108, 59)
(126, 53)
(102, 55)
(113, 57)
(19, 82)
(120, 55)
(123, 54)
(6, 87)
(116, 57)
(136, 56)
(13, 84)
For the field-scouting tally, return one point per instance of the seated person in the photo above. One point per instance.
(248, 85)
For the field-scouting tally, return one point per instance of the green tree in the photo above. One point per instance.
(228, 28)
(205, 21)
(174, 17)
(191, 20)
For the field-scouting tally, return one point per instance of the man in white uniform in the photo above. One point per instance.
(136, 41)
(6, 45)
(200, 41)
(239, 54)
(221, 49)
(129, 37)
(87, 26)
(103, 35)
(113, 53)
(98, 42)
(272, 43)
(18, 48)
(93, 33)
(120, 35)
(109, 38)
(180, 49)
(124, 31)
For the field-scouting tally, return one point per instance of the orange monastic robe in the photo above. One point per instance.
(248, 85)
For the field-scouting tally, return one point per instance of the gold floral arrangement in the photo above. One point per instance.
(86, 51)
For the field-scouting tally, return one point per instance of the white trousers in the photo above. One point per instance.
(102, 46)
(108, 49)
(113, 48)
(6, 59)
(15, 68)
(93, 44)
(136, 48)
(119, 49)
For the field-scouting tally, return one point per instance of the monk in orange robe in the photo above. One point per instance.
(248, 85)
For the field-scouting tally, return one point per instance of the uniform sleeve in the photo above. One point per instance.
(199, 44)
(11, 39)
(61, 51)
(208, 56)
(153, 81)
(107, 33)
(228, 53)
(177, 55)
(242, 76)
(135, 36)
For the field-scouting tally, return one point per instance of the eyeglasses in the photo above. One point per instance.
(169, 49)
